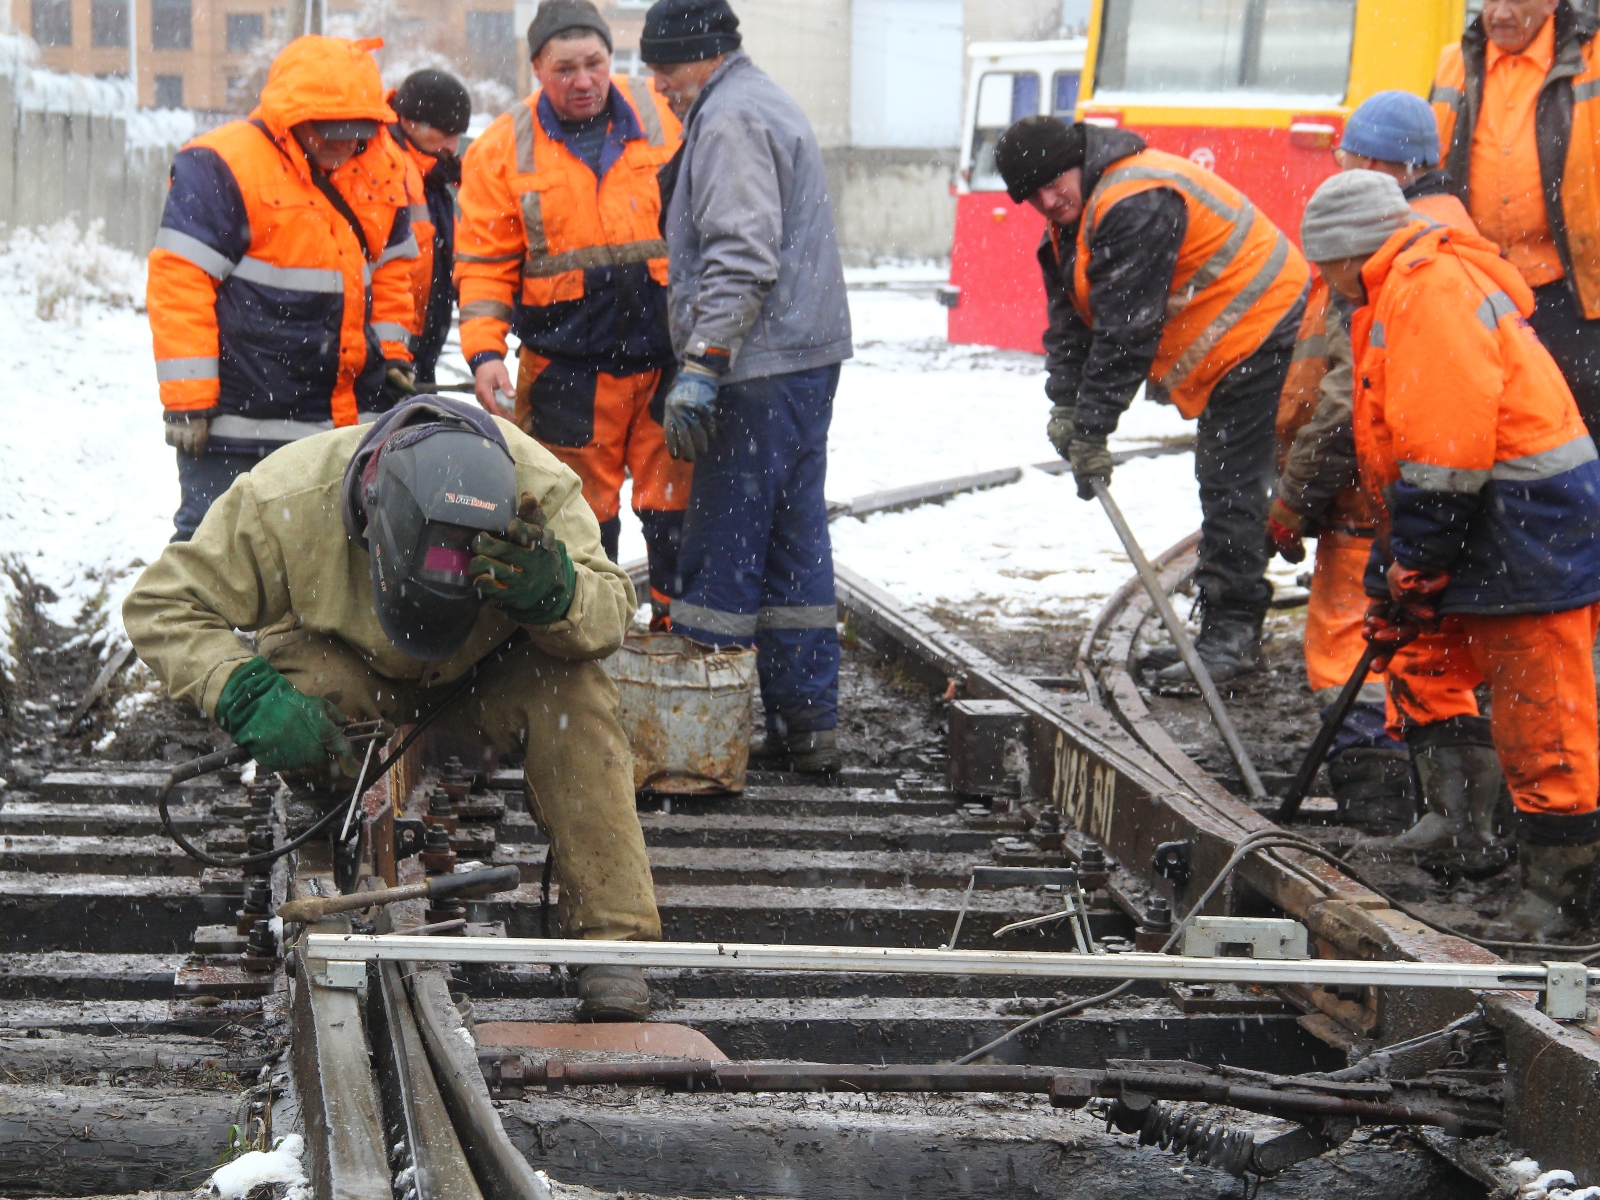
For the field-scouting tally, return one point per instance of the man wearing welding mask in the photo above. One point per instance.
(377, 565)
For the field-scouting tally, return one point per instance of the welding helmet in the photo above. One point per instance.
(428, 491)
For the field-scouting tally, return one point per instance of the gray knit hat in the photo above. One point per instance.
(1353, 214)
(560, 16)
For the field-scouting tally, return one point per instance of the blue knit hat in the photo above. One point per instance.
(1396, 127)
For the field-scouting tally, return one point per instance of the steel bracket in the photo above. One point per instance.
(343, 976)
(1244, 937)
(1566, 993)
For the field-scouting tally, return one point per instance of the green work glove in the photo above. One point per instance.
(1061, 430)
(1091, 462)
(282, 727)
(527, 573)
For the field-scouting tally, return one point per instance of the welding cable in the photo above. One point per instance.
(223, 758)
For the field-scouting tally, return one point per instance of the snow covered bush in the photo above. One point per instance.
(67, 268)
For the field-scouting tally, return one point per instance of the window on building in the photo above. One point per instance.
(169, 91)
(244, 31)
(1289, 47)
(625, 61)
(493, 43)
(170, 26)
(108, 22)
(905, 73)
(52, 22)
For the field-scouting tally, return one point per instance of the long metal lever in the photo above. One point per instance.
(1180, 638)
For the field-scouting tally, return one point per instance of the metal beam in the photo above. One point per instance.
(909, 961)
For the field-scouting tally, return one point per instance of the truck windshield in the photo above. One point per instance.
(1270, 47)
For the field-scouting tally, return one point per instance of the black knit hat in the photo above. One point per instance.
(1035, 151)
(681, 31)
(558, 16)
(435, 98)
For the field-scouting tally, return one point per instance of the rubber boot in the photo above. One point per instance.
(1229, 646)
(815, 753)
(1461, 782)
(1374, 788)
(1558, 891)
(612, 993)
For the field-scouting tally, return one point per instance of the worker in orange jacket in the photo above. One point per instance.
(1486, 565)
(1160, 274)
(560, 242)
(1518, 102)
(434, 109)
(279, 286)
(1319, 495)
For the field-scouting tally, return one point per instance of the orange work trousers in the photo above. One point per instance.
(605, 432)
(1334, 638)
(1540, 672)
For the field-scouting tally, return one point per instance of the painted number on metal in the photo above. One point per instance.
(1085, 790)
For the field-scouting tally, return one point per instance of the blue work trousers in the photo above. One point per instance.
(203, 478)
(756, 563)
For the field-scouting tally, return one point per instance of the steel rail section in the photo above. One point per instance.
(889, 960)
(1108, 786)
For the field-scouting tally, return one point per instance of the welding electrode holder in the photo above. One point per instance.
(469, 885)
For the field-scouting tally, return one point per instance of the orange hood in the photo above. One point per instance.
(324, 79)
(1428, 237)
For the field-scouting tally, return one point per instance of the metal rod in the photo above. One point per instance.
(473, 885)
(1290, 807)
(908, 961)
(1180, 638)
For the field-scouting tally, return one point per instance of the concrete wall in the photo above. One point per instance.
(57, 164)
(891, 204)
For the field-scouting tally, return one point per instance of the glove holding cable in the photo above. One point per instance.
(527, 573)
(188, 432)
(1285, 528)
(1411, 610)
(1061, 429)
(399, 380)
(283, 728)
(690, 416)
(1091, 463)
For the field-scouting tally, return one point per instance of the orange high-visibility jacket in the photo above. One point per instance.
(1237, 274)
(577, 266)
(418, 165)
(1318, 477)
(1566, 126)
(1467, 433)
(267, 302)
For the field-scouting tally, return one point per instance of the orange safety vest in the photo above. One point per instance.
(1567, 127)
(533, 219)
(418, 165)
(1237, 274)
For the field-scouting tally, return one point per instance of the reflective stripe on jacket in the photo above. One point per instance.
(1237, 274)
(1467, 432)
(579, 270)
(265, 299)
(1566, 125)
(1318, 475)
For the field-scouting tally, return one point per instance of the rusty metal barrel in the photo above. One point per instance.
(686, 709)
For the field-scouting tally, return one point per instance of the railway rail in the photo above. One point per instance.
(146, 1001)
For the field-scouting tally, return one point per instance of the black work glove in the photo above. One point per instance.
(527, 574)
(1091, 463)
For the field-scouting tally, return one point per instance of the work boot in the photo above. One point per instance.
(1558, 897)
(1459, 776)
(815, 753)
(612, 993)
(1229, 646)
(1374, 788)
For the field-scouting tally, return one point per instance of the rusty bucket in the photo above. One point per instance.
(686, 709)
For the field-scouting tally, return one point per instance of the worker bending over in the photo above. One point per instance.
(379, 565)
(560, 240)
(760, 324)
(1156, 270)
(280, 283)
(434, 110)
(1320, 495)
(1486, 569)
(1518, 101)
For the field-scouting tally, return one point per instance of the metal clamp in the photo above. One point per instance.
(1077, 910)
(1244, 937)
(1566, 991)
(341, 975)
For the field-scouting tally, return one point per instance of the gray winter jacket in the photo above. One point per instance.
(754, 263)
